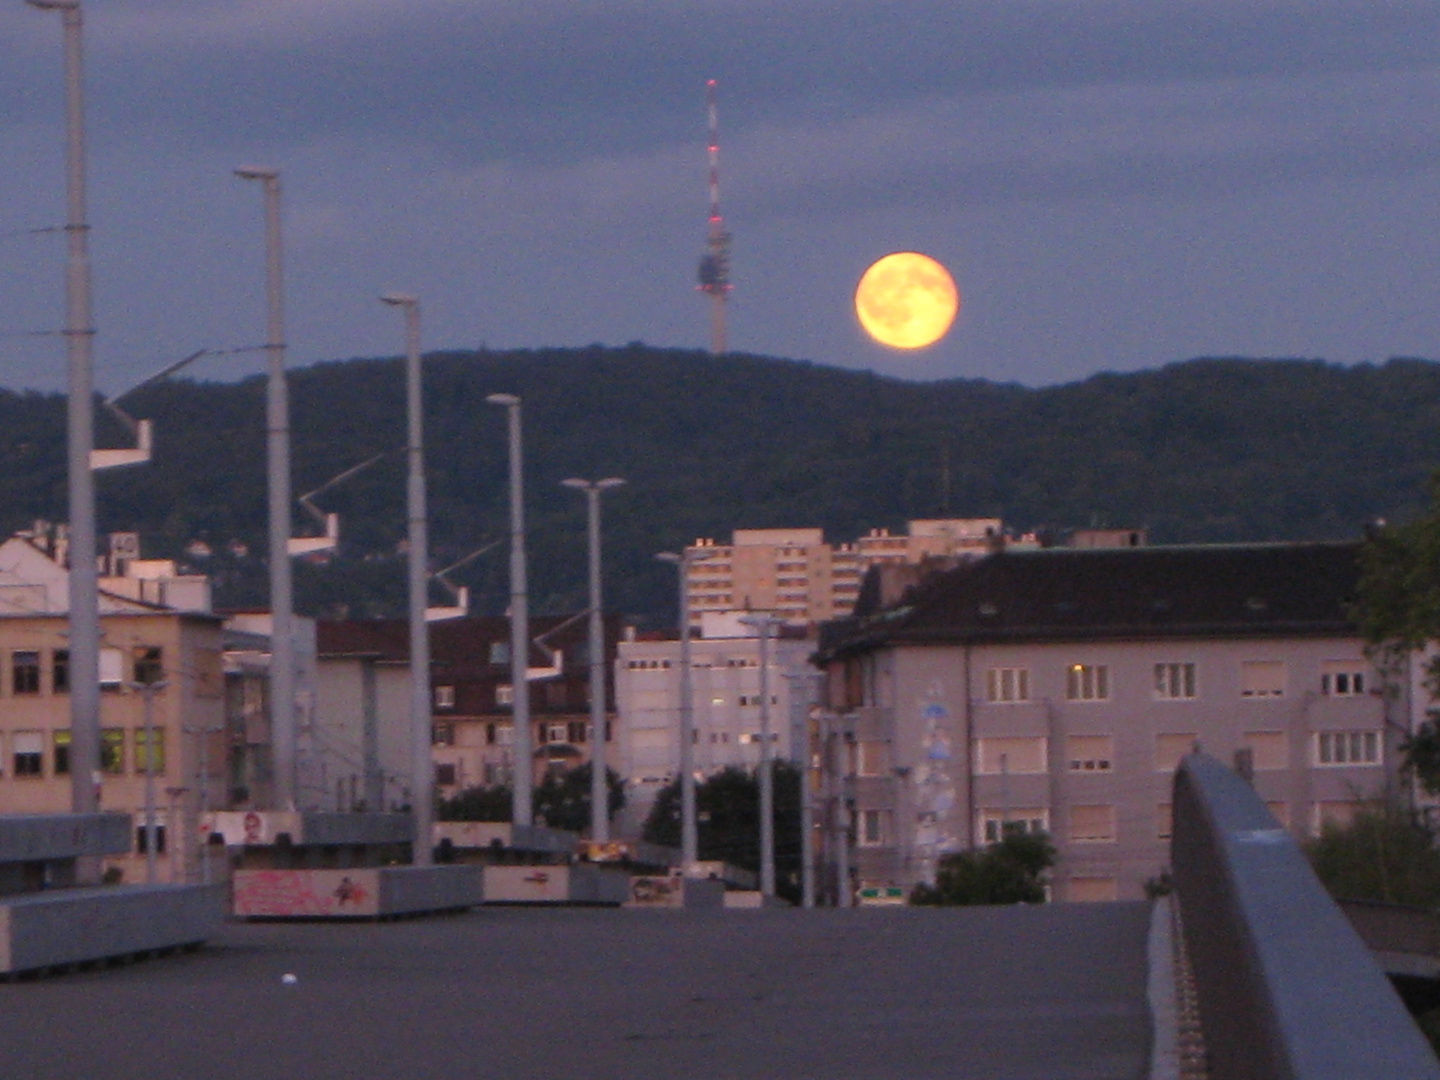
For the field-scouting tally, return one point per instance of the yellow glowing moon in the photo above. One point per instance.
(906, 300)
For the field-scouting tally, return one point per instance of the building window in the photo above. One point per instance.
(1169, 749)
(556, 733)
(444, 697)
(1090, 753)
(1262, 678)
(29, 753)
(1164, 820)
(1007, 684)
(112, 751)
(1342, 678)
(155, 759)
(1174, 682)
(112, 669)
(556, 696)
(499, 652)
(147, 664)
(505, 736)
(1092, 824)
(1087, 682)
(577, 731)
(996, 823)
(445, 774)
(142, 839)
(872, 758)
(60, 671)
(872, 828)
(1010, 755)
(504, 695)
(1347, 748)
(1269, 750)
(60, 744)
(444, 734)
(25, 672)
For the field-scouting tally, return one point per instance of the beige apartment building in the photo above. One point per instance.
(1056, 690)
(798, 576)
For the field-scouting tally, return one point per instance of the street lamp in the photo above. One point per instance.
(764, 623)
(599, 790)
(689, 839)
(80, 436)
(277, 447)
(422, 771)
(521, 812)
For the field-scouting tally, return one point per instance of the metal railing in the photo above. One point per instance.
(1287, 989)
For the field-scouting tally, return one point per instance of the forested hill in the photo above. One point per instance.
(1206, 450)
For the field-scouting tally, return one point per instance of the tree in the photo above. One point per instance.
(727, 811)
(490, 803)
(560, 801)
(563, 800)
(1009, 871)
(1387, 853)
(1399, 614)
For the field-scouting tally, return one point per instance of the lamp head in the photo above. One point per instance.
(670, 557)
(610, 482)
(503, 399)
(400, 299)
(253, 172)
(54, 5)
(576, 483)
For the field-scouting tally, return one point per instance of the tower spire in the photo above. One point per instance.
(715, 263)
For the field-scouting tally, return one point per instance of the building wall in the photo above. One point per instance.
(947, 761)
(725, 681)
(188, 715)
(349, 769)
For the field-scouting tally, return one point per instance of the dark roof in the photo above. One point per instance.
(1065, 594)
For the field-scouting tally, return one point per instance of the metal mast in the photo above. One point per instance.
(715, 263)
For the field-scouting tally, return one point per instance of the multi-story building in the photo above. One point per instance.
(162, 708)
(726, 704)
(472, 700)
(795, 574)
(1056, 690)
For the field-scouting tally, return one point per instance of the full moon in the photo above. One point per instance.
(906, 300)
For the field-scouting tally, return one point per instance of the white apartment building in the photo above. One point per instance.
(1056, 690)
(725, 686)
(797, 575)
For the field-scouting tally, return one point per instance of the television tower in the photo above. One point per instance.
(715, 263)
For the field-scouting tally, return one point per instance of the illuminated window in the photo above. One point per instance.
(156, 758)
(1087, 682)
(444, 697)
(504, 694)
(112, 751)
(60, 744)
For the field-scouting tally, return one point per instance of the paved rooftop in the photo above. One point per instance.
(1056, 992)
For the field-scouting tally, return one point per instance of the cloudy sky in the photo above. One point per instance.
(1114, 184)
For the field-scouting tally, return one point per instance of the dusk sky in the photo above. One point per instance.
(1114, 185)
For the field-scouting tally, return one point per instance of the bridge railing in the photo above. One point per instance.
(1287, 990)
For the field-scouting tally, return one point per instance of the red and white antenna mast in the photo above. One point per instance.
(715, 263)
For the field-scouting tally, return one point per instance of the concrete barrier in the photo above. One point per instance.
(581, 883)
(675, 892)
(72, 926)
(1287, 990)
(357, 893)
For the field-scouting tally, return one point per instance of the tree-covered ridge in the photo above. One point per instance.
(1205, 450)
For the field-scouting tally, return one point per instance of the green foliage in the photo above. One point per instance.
(1267, 450)
(727, 811)
(1399, 613)
(1386, 853)
(492, 803)
(1009, 871)
(562, 800)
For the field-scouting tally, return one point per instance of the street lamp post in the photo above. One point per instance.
(599, 790)
(422, 771)
(80, 436)
(147, 689)
(522, 810)
(689, 837)
(764, 623)
(277, 447)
